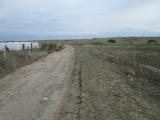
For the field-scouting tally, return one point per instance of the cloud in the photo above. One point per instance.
(52, 17)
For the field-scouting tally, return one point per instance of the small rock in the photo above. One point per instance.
(139, 110)
(116, 93)
(131, 73)
(45, 99)
(132, 79)
(139, 93)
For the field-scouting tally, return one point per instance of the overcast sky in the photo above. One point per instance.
(51, 18)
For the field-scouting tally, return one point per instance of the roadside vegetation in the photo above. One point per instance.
(11, 60)
(51, 47)
(139, 64)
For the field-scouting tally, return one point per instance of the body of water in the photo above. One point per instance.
(18, 45)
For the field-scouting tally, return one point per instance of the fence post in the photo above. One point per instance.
(23, 46)
(4, 54)
(31, 47)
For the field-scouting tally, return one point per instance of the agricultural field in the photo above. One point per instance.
(114, 82)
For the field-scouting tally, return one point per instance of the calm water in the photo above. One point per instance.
(18, 45)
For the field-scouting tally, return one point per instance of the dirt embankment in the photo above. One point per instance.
(35, 92)
(99, 91)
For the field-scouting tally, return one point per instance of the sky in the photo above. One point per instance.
(56, 19)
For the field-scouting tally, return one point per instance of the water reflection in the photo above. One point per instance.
(18, 45)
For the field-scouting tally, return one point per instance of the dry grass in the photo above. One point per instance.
(139, 64)
(134, 57)
(16, 59)
(10, 61)
(51, 47)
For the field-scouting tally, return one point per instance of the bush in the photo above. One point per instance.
(51, 47)
(59, 47)
(111, 41)
(152, 42)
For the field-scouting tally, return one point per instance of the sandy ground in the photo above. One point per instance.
(35, 92)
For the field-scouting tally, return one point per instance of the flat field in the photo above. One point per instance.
(114, 82)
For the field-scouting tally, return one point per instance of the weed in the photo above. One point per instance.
(152, 42)
(50, 47)
(111, 41)
(16, 59)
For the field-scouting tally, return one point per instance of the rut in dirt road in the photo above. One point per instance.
(35, 92)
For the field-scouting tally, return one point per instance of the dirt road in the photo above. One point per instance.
(35, 91)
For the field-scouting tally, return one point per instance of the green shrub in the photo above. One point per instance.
(152, 42)
(111, 41)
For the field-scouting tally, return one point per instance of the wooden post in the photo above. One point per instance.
(6, 48)
(23, 46)
(31, 47)
(4, 54)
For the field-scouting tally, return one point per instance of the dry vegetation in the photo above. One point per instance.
(140, 67)
(115, 82)
(11, 60)
(16, 59)
(51, 47)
